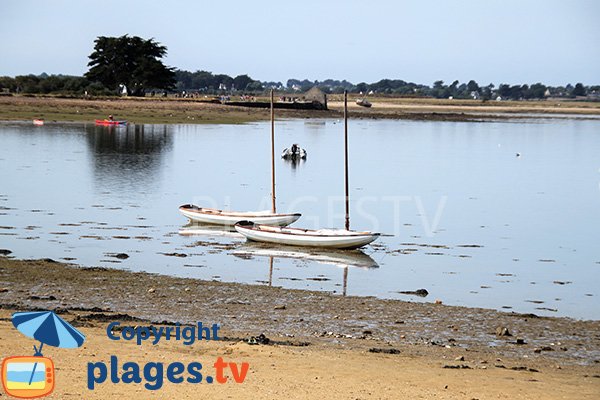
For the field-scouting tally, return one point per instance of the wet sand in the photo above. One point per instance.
(321, 344)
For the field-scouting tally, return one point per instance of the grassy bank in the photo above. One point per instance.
(193, 111)
(137, 110)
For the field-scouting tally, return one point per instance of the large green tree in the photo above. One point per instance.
(130, 61)
(579, 90)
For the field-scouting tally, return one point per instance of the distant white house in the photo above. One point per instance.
(475, 95)
(499, 98)
(594, 95)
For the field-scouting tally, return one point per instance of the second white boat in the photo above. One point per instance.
(322, 238)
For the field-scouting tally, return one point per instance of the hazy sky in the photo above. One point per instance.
(504, 41)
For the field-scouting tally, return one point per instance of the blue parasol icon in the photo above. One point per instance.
(48, 328)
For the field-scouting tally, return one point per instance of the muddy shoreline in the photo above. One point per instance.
(190, 111)
(303, 318)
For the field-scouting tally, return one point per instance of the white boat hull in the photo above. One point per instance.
(323, 238)
(230, 218)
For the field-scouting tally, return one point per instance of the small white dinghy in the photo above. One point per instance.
(230, 218)
(294, 152)
(322, 238)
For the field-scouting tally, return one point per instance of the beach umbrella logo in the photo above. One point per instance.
(30, 377)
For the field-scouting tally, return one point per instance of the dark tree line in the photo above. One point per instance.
(204, 81)
(208, 83)
(132, 65)
(52, 84)
(439, 90)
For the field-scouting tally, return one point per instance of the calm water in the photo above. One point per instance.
(468, 219)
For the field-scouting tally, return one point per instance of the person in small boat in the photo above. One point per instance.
(294, 152)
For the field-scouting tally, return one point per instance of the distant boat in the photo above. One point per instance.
(294, 152)
(110, 122)
(363, 102)
(229, 218)
(38, 122)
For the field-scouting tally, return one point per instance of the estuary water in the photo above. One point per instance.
(502, 215)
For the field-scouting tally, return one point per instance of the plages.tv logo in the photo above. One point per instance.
(28, 377)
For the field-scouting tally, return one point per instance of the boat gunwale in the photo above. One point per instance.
(261, 228)
(216, 212)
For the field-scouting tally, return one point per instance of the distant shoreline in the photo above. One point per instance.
(196, 111)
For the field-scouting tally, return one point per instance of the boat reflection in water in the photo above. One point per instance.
(197, 229)
(250, 250)
(342, 259)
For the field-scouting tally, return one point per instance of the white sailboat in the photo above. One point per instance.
(363, 102)
(322, 238)
(229, 218)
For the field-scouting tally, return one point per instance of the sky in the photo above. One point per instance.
(421, 41)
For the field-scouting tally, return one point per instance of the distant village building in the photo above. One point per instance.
(314, 99)
(475, 95)
(316, 94)
(275, 86)
(594, 95)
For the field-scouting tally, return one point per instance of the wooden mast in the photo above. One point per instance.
(273, 207)
(346, 159)
(271, 270)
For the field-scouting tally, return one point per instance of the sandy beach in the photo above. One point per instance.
(319, 343)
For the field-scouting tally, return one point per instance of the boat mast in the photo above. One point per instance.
(346, 159)
(273, 208)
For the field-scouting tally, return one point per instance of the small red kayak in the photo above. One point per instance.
(38, 122)
(109, 122)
